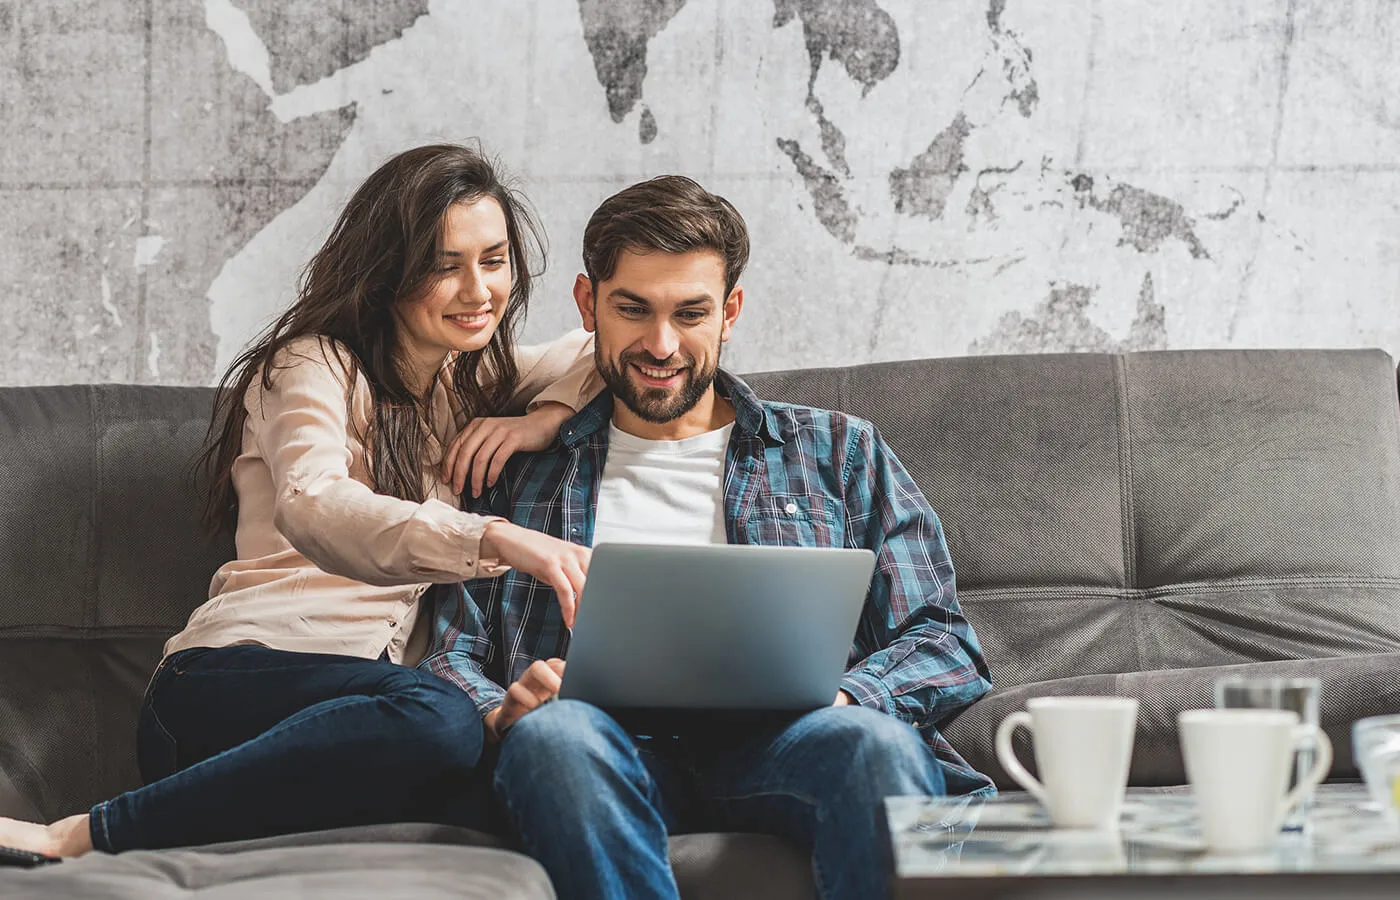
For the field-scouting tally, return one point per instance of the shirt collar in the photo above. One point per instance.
(751, 415)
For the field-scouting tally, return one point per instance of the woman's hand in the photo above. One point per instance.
(480, 450)
(559, 564)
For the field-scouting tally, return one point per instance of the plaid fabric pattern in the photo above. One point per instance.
(794, 476)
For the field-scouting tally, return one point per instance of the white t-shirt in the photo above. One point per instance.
(663, 492)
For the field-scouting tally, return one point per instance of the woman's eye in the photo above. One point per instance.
(446, 269)
(495, 262)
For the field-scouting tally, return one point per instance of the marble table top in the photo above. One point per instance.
(1011, 835)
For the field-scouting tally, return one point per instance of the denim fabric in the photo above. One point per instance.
(244, 741)
(594, 804)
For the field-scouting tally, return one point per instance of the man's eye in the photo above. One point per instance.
(693, 316)
(631, 310)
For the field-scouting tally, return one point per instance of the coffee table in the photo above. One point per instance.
(967, 848)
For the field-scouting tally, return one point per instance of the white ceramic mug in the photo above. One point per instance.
(1082, 748)
(1239, 762)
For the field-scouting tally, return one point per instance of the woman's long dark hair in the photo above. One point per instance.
(383, 251)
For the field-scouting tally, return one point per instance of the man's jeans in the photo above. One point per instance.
(243, 742)
(594, 804)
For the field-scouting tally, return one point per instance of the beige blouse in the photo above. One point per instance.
(326, 565)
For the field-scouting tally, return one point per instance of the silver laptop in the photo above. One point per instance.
(720, 628)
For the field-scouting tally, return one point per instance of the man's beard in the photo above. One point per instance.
(655, 405)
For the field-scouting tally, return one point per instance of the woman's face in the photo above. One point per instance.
(462, 309)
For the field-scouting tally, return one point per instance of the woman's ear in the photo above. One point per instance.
(583, 297)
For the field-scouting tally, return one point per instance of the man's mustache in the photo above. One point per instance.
(646, 359)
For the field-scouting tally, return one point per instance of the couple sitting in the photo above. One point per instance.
(292, 702)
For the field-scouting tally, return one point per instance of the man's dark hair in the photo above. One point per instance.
(669, 214)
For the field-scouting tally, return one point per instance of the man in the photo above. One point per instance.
(678, 450)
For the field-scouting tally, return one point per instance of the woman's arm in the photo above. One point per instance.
(301, 428)
(561, 371)
(561, 379)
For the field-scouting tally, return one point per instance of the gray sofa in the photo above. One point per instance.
(1121, 524)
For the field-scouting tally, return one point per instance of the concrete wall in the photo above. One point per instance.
(921, 179)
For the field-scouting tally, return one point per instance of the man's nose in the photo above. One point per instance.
(661, 340)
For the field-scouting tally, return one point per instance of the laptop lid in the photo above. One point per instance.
(723, 628)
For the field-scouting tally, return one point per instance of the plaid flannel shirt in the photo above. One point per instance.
(914, 655)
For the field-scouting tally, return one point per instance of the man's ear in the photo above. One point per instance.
(583, 297)
(733, 305)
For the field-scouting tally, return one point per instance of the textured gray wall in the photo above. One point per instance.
(921, 179)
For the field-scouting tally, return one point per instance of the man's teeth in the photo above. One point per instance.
(658, 373)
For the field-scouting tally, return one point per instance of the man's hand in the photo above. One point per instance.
(559, 564)
(480, 450)
(843, 699)
(538, 684)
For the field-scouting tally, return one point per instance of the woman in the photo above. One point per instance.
(338, 449)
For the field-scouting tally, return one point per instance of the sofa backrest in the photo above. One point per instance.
(101, 560)
(1164, 510)
(1105, 514)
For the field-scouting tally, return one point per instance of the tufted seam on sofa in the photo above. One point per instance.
(1125, 481)
(1234, 586)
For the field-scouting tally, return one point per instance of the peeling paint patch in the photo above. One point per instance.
(980, 208)
(646, 128)
(828, 200)
(1062, 325)
(833, 140)
(617, 35)
(1015, 61)
(1149, 331)
(856, 33)
(147, 249)
(1148, 219)
(307, 42)
(153, 358)
(923, 188)
(107, 304)
(895, 257)
(246, 51)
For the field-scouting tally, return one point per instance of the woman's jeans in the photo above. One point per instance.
(243, 742)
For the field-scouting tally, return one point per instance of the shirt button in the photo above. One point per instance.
(790, 508)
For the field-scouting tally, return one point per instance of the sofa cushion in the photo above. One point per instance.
(708, 866)
(368, 871)
(1352, 687)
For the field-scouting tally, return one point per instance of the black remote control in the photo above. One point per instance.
(25, 859)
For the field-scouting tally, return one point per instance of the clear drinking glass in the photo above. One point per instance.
(1375, 743)
(1300, 695)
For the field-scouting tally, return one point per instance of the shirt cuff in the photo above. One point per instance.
(485, 693)
(488, 566)
(867, 690)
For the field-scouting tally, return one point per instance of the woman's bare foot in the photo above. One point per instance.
(66, 837)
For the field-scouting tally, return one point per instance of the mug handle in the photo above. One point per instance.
(1007, 756)
(1322, 746)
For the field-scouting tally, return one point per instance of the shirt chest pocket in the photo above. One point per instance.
(795, 520)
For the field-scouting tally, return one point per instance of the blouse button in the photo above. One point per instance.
(790, 508)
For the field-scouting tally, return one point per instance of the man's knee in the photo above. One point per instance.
(566, 734)
(888, 754)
